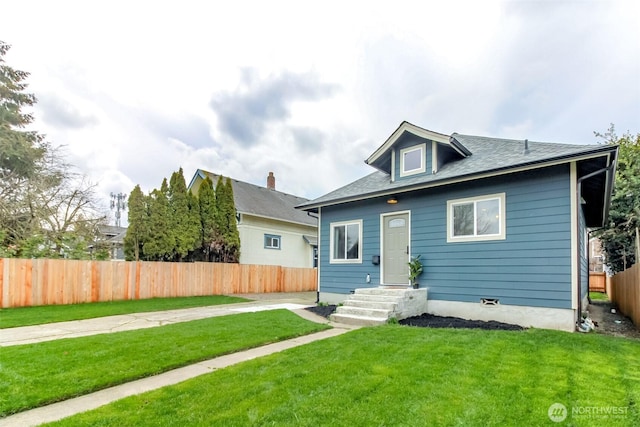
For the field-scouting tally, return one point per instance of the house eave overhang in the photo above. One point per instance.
(605, 151)
(198, 174)
(418, 131)
(607, 175)
(271, 218)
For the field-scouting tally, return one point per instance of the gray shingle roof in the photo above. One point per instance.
(113, 233)
(488, 156)
(260, 201)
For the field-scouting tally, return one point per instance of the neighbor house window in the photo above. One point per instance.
(271, 241)
(346, 242)
(476, 218)
(412, 160)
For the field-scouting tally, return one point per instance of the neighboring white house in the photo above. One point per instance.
(113, 237)
(272, 231)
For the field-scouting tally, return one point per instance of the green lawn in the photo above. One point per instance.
(403, 376)
(598, 296)
(36, 374)
(25, 316)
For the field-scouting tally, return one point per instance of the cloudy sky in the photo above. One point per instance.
(136, 89)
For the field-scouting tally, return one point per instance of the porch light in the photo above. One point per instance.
(392, 201)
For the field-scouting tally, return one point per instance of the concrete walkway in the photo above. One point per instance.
(128, 322)
(110, 324)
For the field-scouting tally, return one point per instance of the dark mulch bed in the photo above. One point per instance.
(432, 321)
(322, 310)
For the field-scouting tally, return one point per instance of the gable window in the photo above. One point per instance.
(476, 218)
(412, 160)
(271, 241)
(345, 242)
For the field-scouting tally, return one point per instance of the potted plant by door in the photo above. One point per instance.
(415, 269)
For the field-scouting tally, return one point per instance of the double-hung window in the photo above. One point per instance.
(346, 242)
(476, 218)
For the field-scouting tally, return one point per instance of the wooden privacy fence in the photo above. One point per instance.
(597, 282)
(625, 292)
(30, 282)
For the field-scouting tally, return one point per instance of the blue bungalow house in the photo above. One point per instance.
(500, 225)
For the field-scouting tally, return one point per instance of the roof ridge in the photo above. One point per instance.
(555, 144)
(252, 184)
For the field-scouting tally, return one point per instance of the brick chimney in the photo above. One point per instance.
(271, 181)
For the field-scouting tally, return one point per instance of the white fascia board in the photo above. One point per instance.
(199, 173)
(277, 219)
(408, 127)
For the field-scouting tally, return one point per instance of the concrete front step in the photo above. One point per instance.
(396, 292)
(371, 298)
(380, 304)
(351, 319)
(364, 312)
(375, 306)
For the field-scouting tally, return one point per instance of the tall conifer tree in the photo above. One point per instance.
(207, 200)
(161, 240)
(137, 232)
(179, 216)
(232, 239)
(194, 224)
(229, 240)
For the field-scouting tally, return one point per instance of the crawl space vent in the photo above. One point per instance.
(489, 301)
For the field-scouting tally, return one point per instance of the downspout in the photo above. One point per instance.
(309, 213)
(578, 198)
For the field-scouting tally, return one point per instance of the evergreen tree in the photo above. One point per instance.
(232, 239)
(207, 200)
(218, 247)
(619, 234)
(137, 232)
(41, 199)
(179, 216)
(228, 243)
(194, 224)
(161, 241)
(21, 150)
(21, 155)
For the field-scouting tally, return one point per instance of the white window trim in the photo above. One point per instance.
(502, 235)
(423, 160)
(273, 236)
(332, 260)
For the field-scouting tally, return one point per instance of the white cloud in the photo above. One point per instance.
(127, 87)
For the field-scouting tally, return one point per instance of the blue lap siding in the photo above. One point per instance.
(531, 267)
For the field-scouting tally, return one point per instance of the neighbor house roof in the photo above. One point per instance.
(262, 202)
(113, 233)
(479, 157)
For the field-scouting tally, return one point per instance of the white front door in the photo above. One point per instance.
(395, 249)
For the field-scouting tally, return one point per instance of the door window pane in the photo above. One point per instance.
(397, 223)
